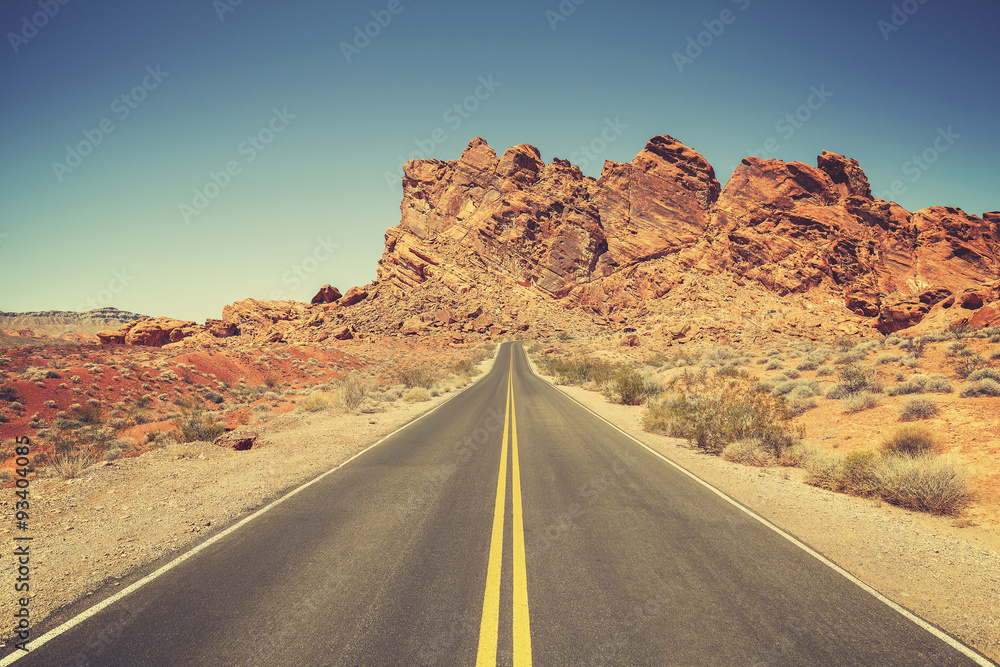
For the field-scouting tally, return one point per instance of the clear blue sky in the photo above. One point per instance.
(159, 96)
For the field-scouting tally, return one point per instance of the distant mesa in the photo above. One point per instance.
(489, 245)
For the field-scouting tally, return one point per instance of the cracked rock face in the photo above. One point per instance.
(621, 240)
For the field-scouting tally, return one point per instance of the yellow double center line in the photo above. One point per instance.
(489, 633)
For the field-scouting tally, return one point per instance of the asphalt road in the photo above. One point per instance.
(583, 549)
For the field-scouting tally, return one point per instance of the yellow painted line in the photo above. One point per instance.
(489, 626)
(522, 625)
(489, 633)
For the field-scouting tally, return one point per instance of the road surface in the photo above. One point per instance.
(512, 527)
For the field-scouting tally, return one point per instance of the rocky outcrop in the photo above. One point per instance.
(621, 242)
(326, 294)
(491, 245)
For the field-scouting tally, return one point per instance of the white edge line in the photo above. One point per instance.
(943, 636)
(84, 615)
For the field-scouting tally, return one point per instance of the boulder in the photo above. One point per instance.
(326, 294)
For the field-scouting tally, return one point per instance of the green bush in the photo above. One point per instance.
(918, 407)
(910, 440)
(415, 375)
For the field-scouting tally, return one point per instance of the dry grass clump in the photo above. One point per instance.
(860, 402)
(417, 395)
(923, 483)
(938, 485)
(911, 440)
(984, 387)
(70, 464)
(755, 452)
(918, 407)
(317, 402)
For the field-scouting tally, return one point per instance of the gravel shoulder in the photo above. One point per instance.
(120, 517)
(946, 575)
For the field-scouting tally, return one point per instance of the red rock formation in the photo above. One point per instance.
(326, 294)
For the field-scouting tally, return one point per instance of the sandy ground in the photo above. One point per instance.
(947, 575)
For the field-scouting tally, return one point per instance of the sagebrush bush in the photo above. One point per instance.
(857, 378)
(860, 402)
(964, 366)
(196, 425)
(938, 384)
(578, 371)
(911, 440)
(825, 370)
(984, 374)
(984, 387)
(918, 407)
(926, 484)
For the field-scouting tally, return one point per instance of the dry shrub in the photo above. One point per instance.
(912, 440)
(70, 464)
(353, 391)
(415, 375)
(983, 387)
(749, 452)
(417, 395)
(938, 485)
(712, 412)
(860, 402)
(316, 402)
(918, 407)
